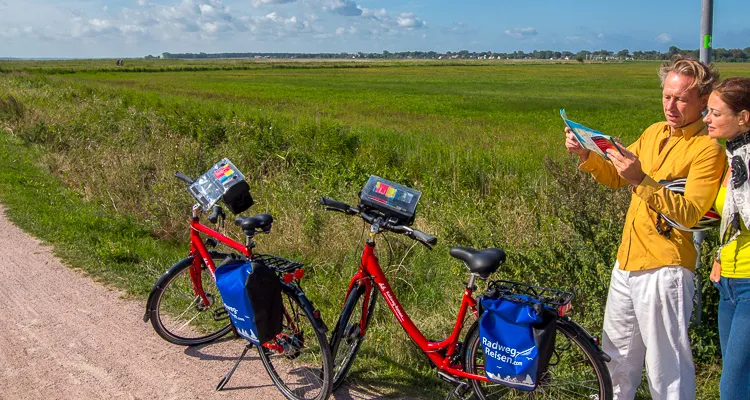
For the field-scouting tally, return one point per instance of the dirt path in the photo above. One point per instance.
(67, 337)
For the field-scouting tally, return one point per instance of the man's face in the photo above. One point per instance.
(682, 106)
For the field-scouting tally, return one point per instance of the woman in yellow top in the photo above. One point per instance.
(729, 118)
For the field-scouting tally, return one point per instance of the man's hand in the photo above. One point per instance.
(715, 272)
(571, 143)
(627, 165)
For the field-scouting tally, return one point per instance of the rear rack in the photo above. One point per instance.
(278, 264)
(517, 291)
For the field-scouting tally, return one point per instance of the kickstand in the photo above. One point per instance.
(226, 377)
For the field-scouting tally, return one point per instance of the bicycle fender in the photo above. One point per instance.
(159, 284)
(583, 333)
(308, 306)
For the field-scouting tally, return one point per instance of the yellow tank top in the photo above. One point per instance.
(735, 256)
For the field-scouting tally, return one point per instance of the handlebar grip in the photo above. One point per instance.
(184, 177)
(215, 213)
(335, 205)
(420, 236)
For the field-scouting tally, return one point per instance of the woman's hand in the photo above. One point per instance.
(715, 272)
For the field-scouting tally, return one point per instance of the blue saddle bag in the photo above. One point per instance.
(506, 331)
(252, 297)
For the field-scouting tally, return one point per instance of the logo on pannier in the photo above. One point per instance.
(247, 335)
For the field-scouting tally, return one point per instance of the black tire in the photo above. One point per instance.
(576, 370)
(178, 315)
(347, 336)
(303, 369)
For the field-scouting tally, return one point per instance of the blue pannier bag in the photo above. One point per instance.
(252, 297)
(507, 336)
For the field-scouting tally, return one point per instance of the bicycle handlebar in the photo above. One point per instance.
(412, 233)
(333, 205)
(216, 212)
(184, 177)
(422, 237)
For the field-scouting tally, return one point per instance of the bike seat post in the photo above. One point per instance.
(470, 283)
(249, 243)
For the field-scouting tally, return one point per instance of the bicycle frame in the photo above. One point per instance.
(197, 247)
(440, 353)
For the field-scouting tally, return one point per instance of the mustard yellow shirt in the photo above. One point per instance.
(688, 153)
(735, 256)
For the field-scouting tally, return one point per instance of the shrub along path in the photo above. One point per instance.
(67, 337)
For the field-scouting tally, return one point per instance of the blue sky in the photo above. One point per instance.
(135, 28)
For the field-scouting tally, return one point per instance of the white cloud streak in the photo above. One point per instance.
(521, 33)
(193, 23)
(664, 38)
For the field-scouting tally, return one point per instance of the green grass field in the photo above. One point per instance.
(483, 141)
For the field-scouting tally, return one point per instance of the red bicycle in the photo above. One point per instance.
(185, 307)
(576, 370)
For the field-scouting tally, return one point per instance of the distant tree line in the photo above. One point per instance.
(720, 54)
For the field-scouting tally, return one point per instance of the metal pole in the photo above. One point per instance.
(707, 27)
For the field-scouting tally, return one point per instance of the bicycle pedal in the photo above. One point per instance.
(460, 390)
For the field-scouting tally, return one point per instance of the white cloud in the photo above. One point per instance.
(194, 25)
(664, 38)
(257, 3)
(409, 21)
(521, 33)
(374, 14)
(347, 8)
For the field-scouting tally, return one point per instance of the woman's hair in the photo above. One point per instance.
(735, 92)
(705, 77)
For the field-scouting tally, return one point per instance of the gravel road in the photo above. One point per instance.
(65, 336)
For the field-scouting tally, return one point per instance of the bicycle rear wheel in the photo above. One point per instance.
(348, 335)
(298, 359)
(575, 372)
(178, 315)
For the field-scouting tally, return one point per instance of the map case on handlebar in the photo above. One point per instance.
(222, 182)
(391, 199)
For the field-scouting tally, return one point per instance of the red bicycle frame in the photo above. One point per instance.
(440, 353)
(197, 247)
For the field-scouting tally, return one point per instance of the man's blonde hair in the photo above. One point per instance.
(705, 77)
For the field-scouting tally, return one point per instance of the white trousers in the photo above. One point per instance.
(647, 318)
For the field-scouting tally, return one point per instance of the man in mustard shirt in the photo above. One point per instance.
(651, 289)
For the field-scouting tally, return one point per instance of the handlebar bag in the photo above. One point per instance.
(517, 339)
(252, 297)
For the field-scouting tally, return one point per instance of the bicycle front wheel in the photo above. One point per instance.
(349, 332)
(179, 315)
(576, 371)
(298, 359)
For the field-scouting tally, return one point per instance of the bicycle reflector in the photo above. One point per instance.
(222, 182)
(391, 199)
